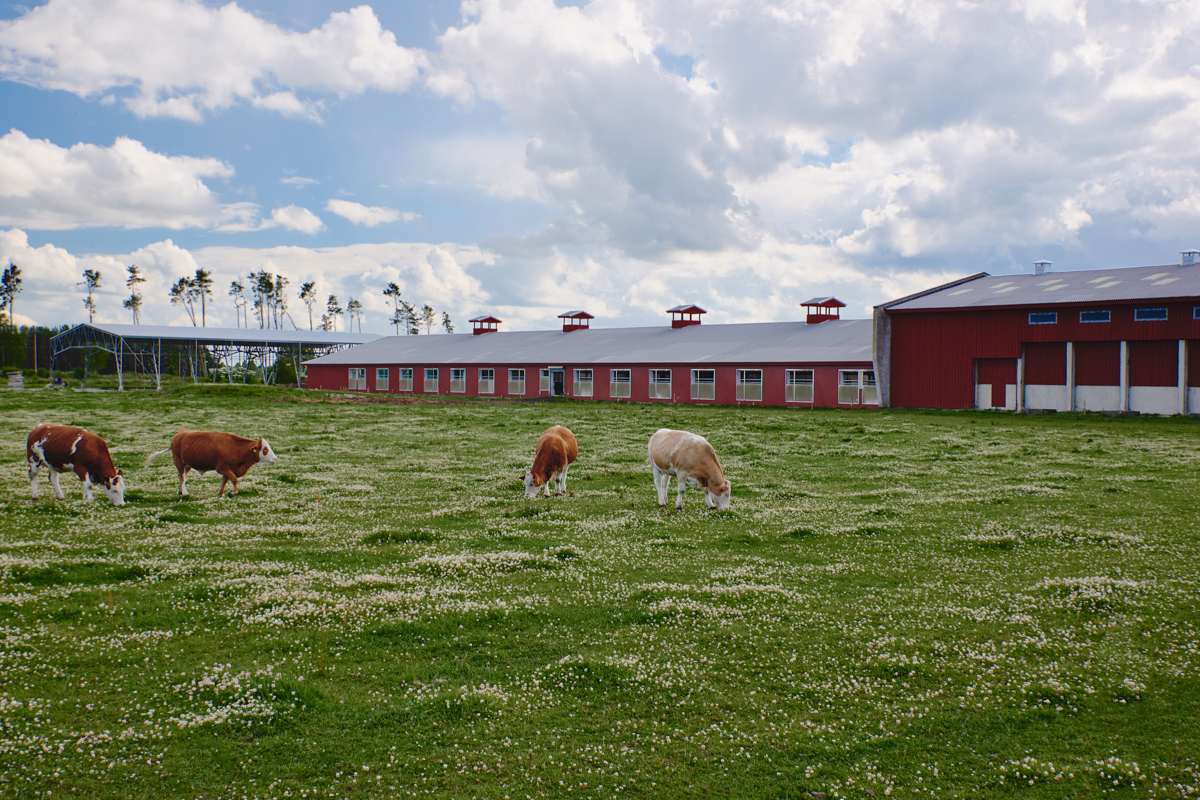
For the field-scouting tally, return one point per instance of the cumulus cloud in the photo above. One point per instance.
(179, 58)
(295, 218)
(369, 216)
(125, 185)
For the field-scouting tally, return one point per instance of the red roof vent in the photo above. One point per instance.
(692, 314)
(575, 320)
(821, 309)
(484, 325)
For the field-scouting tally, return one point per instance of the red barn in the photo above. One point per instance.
(767, 363)
(1097, 340)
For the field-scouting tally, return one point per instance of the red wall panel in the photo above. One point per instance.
(1193, 362)
(1097, 363)
(1154, 363)
(1046, 363)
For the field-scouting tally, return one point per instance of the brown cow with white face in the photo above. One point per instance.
(556, 451)
(64, 447)
(208, 451)
(691, 459)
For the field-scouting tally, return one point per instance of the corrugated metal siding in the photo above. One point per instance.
(932, 358)
(1098, 363)
(996, 370)
(1046, 363)
(1154, 363)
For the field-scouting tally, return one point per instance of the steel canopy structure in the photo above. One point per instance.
(144, 346)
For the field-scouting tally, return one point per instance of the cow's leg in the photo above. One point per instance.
(183, 471)
(662, 479)
(55, 485)
(547, 486)
(562, 480)
(34, 466)
(87, 489)
(708, 501)
(227, 475)
(680, 485)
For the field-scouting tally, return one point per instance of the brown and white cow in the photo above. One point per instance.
(64, 447)
(208, 451)
(556, 451)
(691, 459)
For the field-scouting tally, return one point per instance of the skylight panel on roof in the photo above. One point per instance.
(1056, 286)
(960, 291)
(1107, 285)
(1156, 276)
(1052, 280)
(1008, 289)
(1164, 280)
(1101, 280)
(998, 285)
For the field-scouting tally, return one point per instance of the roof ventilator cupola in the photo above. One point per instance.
(685, 315)
(820, 309)
(481, 325)
(575, 320)
(1041, 267)
(1189, 258)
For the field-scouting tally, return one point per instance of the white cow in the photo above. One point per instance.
(691, 459)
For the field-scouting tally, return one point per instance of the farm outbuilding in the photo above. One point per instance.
(767, 363)
(1108, 340)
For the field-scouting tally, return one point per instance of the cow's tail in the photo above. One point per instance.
(155, 455)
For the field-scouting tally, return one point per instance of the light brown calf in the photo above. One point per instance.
(691, 459)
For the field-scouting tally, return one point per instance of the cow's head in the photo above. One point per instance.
(265, 453)
(718, 496)
(532, 484)
(114, 487)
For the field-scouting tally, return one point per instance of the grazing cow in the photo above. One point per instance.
(62, 447)
(556, 451)
(206, 451)
(691, 459)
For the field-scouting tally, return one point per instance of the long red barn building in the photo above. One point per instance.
(1095, 340)
(825, 362)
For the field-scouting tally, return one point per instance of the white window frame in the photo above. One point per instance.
(704, 384)
(849, 393)
(516, 381)
(431, 380)
(795, 388)
(1095, 312)
(870, 392)
(544, 380)
(487, 380)
(1141, 315)
(458, 380)
(748, 389)
(356, 379)
(405, 379)
(1043, 317)
(620, 383)
(382, 379)
(582, 385)
(656, 390)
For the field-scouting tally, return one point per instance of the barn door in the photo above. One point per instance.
(996, 383)
(558, 382)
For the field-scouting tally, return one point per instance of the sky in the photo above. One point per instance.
(525, 158)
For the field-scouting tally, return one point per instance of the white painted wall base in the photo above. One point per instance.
(1097, 398)
(983, 397)
(1044, 397)
(1154, 399)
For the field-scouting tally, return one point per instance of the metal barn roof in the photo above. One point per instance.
(834, 342)
(1127, 284)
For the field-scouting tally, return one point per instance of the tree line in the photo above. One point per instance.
(261, 297)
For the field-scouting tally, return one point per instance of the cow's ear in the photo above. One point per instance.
(120, 473)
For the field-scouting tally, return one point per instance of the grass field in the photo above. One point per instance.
(897, 603)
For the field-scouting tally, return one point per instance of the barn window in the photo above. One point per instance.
(1043, 318)
(660, 384)
(544, 381)
(619, 383)
(381, 379)
(1095, 316)
(870, 393)
(1149, 314)
(704, 384)
(487, 381)
(848, 386)
(358, 379)
(1195, 312)
(798, 386)
(749, 384)
(458, 380)
(583, 383)
(431, 381)
(516, 381)
(406, 379)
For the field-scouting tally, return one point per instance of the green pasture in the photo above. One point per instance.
(897, 603)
